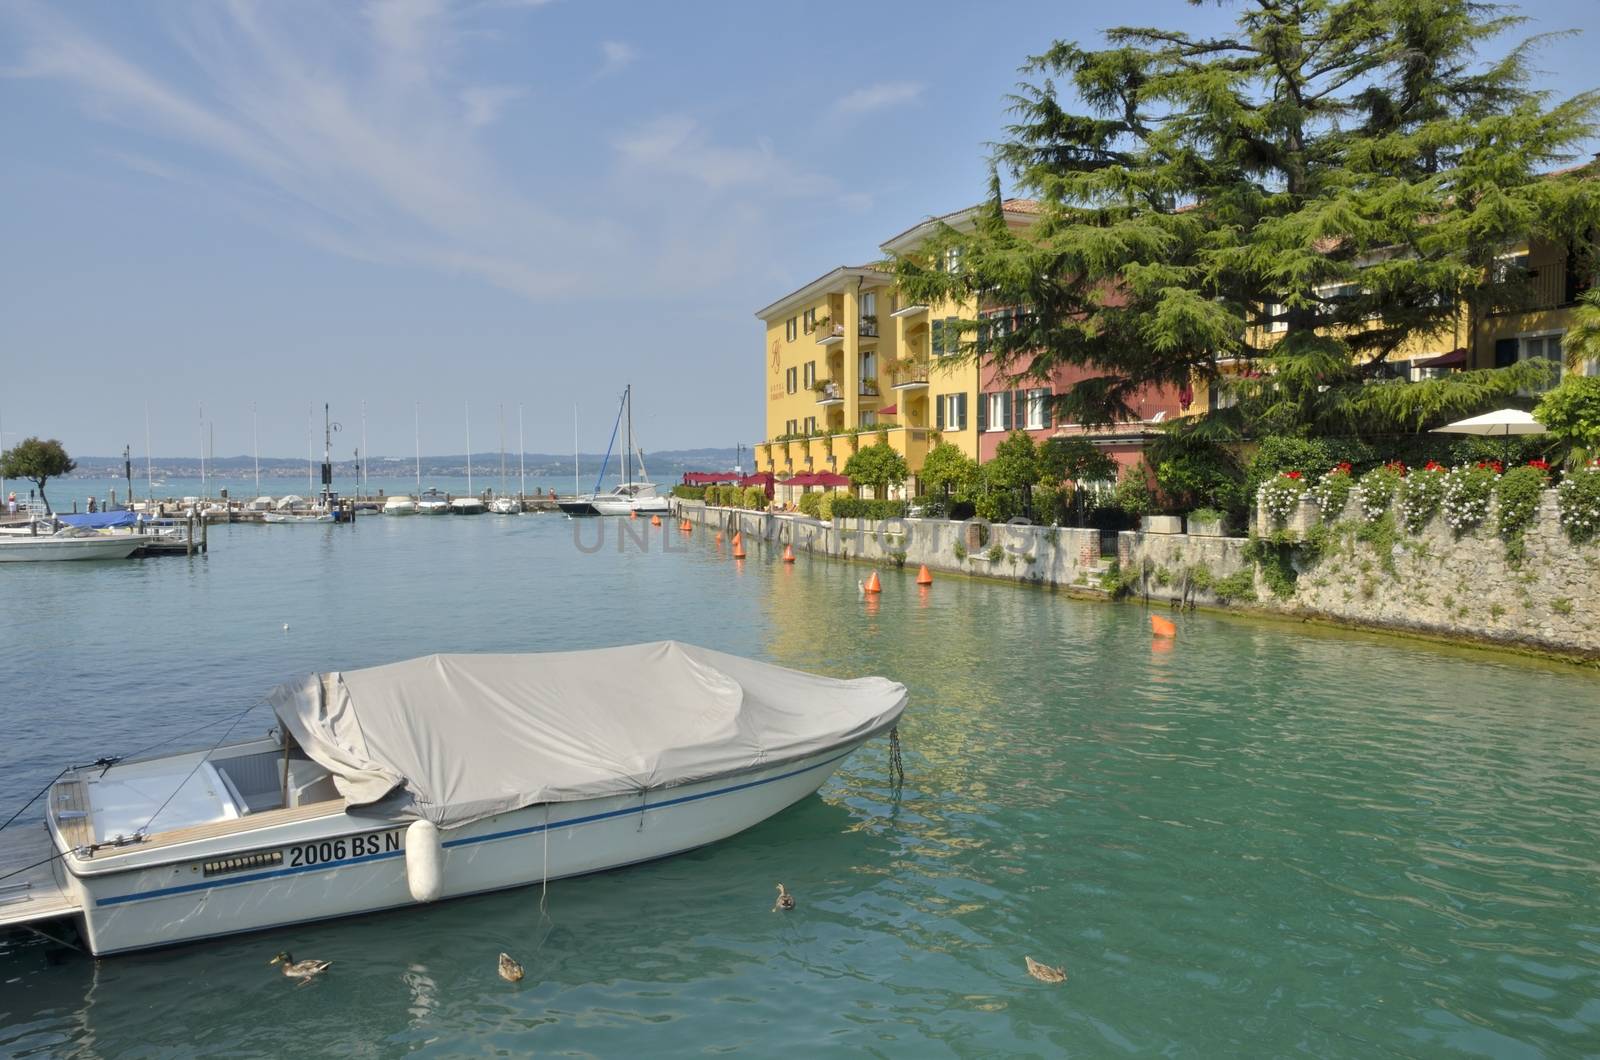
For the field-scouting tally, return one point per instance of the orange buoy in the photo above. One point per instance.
(738, 546)
(923, 577)
(632, 514)
(788, 553)
(655, 520)
(873, 585)
(1162, 627)
(686, 527)
(719, 537)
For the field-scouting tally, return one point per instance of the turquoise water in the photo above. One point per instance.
(1265, 840)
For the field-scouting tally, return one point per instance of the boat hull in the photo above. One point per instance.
(344, 865)
(288, 519)
(52, 549)
(402, 507)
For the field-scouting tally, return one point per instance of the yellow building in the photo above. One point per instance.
(1535, 329)
(849, 361)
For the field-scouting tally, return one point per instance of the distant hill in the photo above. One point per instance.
(665, 466)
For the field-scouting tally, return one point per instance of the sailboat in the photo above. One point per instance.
(503, 505)
(328, 500)
(403, 505)
(627, 496)
(470, 504)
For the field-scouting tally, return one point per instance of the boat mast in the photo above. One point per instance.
(202, 451)
(416, 432)
(149, 471)
(575, 486)
(255, 446)
(522, 456)
(362, 467)
(327, 456)
(627, 459)
(468, 406)
(502, 411)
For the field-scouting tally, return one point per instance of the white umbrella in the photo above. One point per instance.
(1498, 424)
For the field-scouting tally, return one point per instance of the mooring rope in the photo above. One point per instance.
(36, 864)
(897, 768)
(33, 800)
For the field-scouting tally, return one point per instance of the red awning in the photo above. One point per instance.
(828, 478)
(709, 478)
(1453, 359)
(889, 410)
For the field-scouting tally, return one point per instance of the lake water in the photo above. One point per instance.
(1265, 839)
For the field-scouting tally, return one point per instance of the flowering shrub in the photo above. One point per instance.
(1280, 495)
(1466, 495)
(1332, 491)
(1579, 500)
(1376, 489)
(1421, 495)
(1517, 502)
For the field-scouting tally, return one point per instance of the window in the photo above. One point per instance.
(789, 328)
(791, 427)
(1274, 316)
(810, 375)
(869, 418)
(950, 412)
(1038, 409)
(811, 425)
(952, 260)
(789, 380)
(869, 364)
(808, 321)
(997, 409)
(946, 337)
(1545, 347)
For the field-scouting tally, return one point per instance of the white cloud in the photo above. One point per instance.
(483, 104)
(617, 55)
(877, 97)
(677, 145)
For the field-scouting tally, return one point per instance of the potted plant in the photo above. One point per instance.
(1207, 522)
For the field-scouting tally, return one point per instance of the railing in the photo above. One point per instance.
(829, 392)
(1549, 283)
(867, 328)
(827, 333)
(869, 387)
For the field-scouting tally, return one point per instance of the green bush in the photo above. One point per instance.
(810, 504)
(755, 498)
(689, 493)
(1518, 493)
(1571, 412)
(825, 504)
(1420, 494)
(713, 496)
(1133, 492)
(848, 507)
(1047, 504)
(1201, 475)
(1579, 500)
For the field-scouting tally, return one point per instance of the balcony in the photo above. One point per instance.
(910, 374)
(828, 394)
(867, 328)
(909, 311)
(828, 334)
(869, 387)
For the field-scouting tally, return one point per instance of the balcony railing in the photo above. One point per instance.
(830, 333)
(829, 394)
(867, 328)
(869, 387)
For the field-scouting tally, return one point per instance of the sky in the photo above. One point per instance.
(450, 208)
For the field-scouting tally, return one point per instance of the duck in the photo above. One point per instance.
(785, 899)
(510, 970)
(294, 969)
(1044, 972)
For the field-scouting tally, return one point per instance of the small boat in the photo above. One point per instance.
(401, 505)
(435, 778)
(467, 506)
(505, 506)
(25, 546)
(432, 502)
(308, 516)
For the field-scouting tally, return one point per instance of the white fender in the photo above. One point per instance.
(424, 861)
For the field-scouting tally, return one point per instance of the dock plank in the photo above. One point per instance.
(33, 894)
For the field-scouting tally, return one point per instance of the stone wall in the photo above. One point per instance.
(1433, 582)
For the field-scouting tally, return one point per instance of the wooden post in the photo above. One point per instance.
(188, 543)
(204, 537)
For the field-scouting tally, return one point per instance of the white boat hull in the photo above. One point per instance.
(289, 518)
(400, 506)
(30, 549)
(467, 506)
(342, 865)
(433, 507)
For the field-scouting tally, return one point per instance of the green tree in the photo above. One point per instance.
(1582, 340)
(946, 470)
(876, 467)
(38, 461)
(1298, 197)
(1074, 460)
(1571, 413)
(1015, 464)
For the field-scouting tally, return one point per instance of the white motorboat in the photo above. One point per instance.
(505, 506)
(400, 506)
(432, 502)
(434, 778)
(298, 518)
(467, 506)
(27, 547)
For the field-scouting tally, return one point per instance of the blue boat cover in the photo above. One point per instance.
(100, 520)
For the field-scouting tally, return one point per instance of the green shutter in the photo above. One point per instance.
(961, 407)
(983, 412)
(938, 413)
(1005, 409)
(1047, 409)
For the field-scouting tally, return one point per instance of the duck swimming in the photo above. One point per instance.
(294, 969)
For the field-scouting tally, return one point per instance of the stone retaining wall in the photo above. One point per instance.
(1434, 582)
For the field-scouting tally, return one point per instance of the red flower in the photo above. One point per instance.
(1292, 474)
(1434, 465)
(1397, 466)
(1542, 465)
(1493, 465)
(1342, 468)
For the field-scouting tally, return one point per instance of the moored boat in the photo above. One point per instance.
(401, 505)
(432, 502)
(66, 545)
(436, 778)
(467, 506)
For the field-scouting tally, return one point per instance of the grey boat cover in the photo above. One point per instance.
(470, 736)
